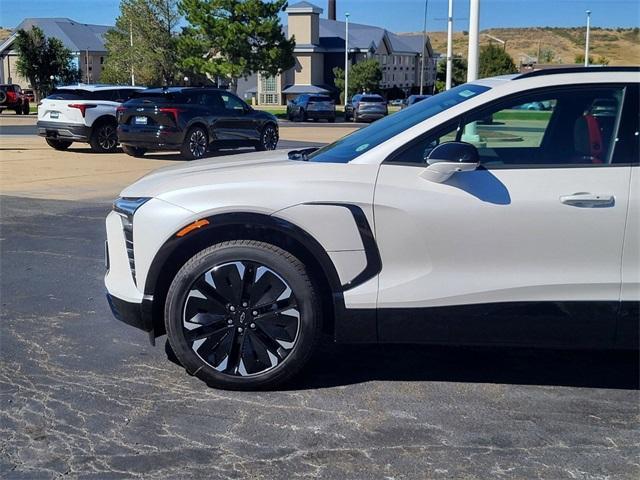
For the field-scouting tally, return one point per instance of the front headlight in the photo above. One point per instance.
(127, 206)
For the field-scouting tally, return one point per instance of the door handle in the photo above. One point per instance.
(588, 200)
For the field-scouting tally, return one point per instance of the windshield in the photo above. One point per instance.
(361, 141)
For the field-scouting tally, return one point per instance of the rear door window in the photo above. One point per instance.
(232, 103)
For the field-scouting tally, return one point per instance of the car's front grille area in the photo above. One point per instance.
(127, 228)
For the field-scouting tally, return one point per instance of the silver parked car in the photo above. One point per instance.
(365, 107)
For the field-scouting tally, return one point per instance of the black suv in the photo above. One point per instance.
(312, 107)
(192, 120)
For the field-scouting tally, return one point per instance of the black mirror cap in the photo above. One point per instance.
(459, 152)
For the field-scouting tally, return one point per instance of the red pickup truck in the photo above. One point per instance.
(13, 98)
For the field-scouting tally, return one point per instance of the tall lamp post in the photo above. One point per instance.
(346, 60)
(449, 45)
(470, 134)
(586, 43)
(424, 45)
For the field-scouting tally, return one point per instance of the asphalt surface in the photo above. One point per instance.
(83, 396)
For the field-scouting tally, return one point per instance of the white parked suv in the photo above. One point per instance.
(83, 113)
(431, 225)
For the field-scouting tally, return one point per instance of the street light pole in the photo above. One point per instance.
(133, 78)
(449, 45)
(424, 46)
(346, 60)
(470, 134)
(474, 40)
(586, 44)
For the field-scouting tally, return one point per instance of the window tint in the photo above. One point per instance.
(627, 147)
(68, 94)
(145, 96)
(371, 99)
(363, 140)
(232, 103)
(573, 126)
(319, 98)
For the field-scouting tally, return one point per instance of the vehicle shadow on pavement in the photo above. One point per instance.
(339, 365)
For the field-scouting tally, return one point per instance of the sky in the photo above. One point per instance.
(394, 15)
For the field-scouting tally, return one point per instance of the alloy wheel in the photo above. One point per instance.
(107, 137)
(241, 318)
(197, 143)
(269, 138)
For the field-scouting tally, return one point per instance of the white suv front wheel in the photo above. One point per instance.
(242, 315)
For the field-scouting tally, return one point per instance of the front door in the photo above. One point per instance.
(526, 249)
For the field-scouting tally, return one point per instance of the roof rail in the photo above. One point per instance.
(559, 70)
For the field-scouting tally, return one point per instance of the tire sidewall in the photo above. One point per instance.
(186, 151)
(95, 141)
(263, 137)
(224, 253)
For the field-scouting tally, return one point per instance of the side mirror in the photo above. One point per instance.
(449, 158)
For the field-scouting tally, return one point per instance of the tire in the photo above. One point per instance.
(134, 151)
(332, 120)
(25, 109)
(195, 143)
(104, 138)
(58, 144)
(234, 344)
(268, 138)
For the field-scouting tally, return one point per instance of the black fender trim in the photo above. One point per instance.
(372, 254)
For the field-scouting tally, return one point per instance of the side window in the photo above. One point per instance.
(213, 100)
(232, 103)
(573, 126)
(566, 127)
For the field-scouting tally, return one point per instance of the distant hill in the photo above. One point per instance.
(619, 46)
(4, 34)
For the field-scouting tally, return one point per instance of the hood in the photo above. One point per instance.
(205, 172)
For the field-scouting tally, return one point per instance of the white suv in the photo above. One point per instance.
(464, 219)
(83, 113)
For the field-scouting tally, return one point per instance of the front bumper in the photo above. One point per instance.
(65, 131)
(135, 314)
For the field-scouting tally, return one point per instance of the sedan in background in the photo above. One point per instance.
(192, 120)
(365, 107)
(313, 107)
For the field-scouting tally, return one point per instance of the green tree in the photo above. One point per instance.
(495, 61)
(547, 56)
(579, 59)
(458, 73)
(154, 53)
(41, 58)
(364, 76)
(234, 38)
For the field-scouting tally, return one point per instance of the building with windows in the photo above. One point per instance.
(320, 46)
(86, 43)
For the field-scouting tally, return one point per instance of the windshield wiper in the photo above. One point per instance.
(301, 154)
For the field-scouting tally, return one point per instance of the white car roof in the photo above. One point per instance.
(96, 87)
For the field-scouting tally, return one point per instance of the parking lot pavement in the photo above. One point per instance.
(84, 396)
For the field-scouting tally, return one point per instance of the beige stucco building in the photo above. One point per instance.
(320, 46)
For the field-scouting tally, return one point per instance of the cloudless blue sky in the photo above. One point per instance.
(395, 15)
